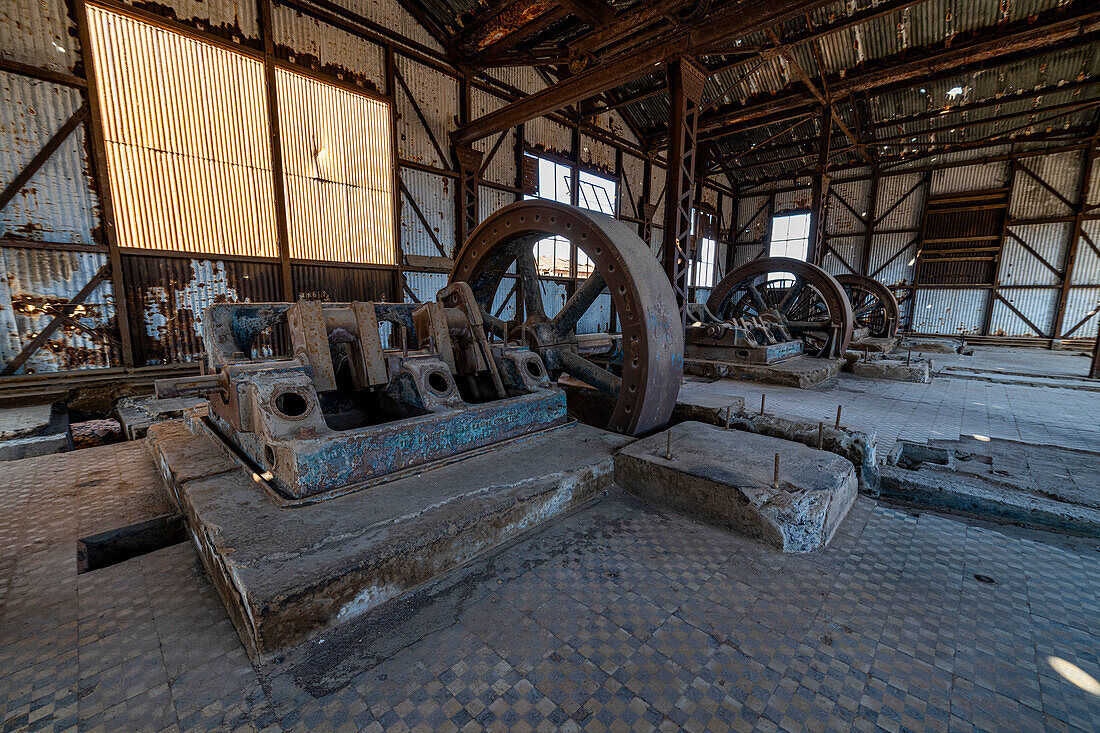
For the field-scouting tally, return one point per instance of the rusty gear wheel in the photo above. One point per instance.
(803, 297)
(652, 336)
(873, 305)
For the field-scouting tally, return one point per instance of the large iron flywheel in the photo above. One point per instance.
(873, 305)
(503, 245)
(803, 297)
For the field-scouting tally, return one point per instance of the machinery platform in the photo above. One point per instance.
(726, 478)
(287, 573)
(804, 372)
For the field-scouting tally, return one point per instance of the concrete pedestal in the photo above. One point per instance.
(725, 477)
(916, 370)
(285, 574)
(804, 372)
(873, 345)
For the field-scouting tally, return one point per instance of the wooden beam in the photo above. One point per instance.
(727, 24)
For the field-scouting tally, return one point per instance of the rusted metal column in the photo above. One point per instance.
(686, 80)
(820, 191)
(869, 234)
(469, 168)
(1094, 370)
(282, 229)
(103, 185)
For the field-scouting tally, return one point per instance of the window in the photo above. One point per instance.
(701, 272)
(594, 192)
(189, 151)
(790, 238)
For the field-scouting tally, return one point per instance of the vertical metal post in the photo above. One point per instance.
(282, 231)
(686, 80)
(869, 234)
(647, 210)
(103, 183)
(1094, 370)
(987, 318)
(469, 168)
(819, 191)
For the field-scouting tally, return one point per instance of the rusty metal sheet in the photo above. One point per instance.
(949, 311)
(1082, 303)
(1037, 305)
(307, 41)
(597, 154)
(58, 204)
(436, 96)
(1031, 199)
(1021, 267)
(434, 197)
(34, 281)
(39, 33)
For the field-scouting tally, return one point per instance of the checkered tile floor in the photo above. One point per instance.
(617, 618)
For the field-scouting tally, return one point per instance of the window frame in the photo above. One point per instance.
(270, 62)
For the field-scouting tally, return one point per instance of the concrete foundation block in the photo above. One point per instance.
(803, 372)
(874, 345)
(35, 445)
(287, 573)
(725, 478)
(916, 370)
(137, 414)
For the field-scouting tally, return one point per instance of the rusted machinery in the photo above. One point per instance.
(809, 305)
(372, 390)
(875, 308)
(749, 339)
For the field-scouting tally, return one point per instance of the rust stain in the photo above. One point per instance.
(510, 20)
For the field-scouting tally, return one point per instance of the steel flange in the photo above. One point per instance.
(874, 306)
(803, 297)
(652, 336)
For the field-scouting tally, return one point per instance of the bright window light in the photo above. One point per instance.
(790, 238)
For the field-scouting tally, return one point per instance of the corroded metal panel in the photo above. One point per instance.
(632, 186)
(597, 318)
(793, 200)
(843, 250)
(969, 178)
(491, 199)
(752, 219)
(841, 219)
(310, 42)
(32, 282)
(524, 78)
(501, 168)
(435, 95)
(335, 284)
(424, 284)
(1082, 304)
(58, 203)
(543, 133)
(597, 154)
(233, 19)
(1086, 268)
(167, 298)
(949, 311)
(1031, 199)
(39, 33)
(1036, 305)
(893, 268)
(904, 215)
(434, 197)
(1021, 267)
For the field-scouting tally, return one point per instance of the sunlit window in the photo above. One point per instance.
(790, 238)
(189, 151)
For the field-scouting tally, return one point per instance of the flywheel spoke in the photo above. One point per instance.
(592, 375)
(532, 286)
(578, 304)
